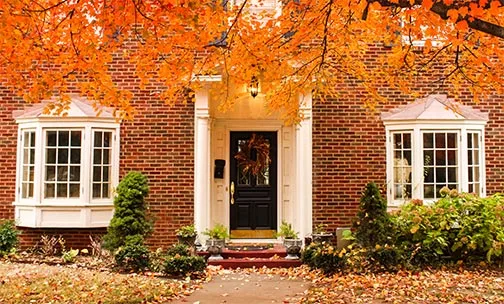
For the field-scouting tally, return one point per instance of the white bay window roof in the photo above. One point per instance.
(433, 143)
(67, 165)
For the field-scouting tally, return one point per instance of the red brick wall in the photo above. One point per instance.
(159, 143)
(349, 147)
(8, 144)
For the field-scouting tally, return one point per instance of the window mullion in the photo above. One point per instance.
(464, 163)
(86, 163)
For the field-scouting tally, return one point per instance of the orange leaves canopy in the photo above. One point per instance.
(52, 46)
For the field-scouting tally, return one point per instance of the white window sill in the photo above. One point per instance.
(63, 216)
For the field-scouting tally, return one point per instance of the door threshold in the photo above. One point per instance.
(255, 241)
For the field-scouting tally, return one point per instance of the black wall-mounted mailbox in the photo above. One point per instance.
(219, 168)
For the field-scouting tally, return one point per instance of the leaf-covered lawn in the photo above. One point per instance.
(32, 283)
(436, 286)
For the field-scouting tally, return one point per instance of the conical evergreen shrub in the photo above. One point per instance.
(373, 224)
(130, 214)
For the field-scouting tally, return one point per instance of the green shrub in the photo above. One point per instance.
(456, 227)
(178, 249)
(130, 210)
(386, 258)
(8, 236)
(286, 231)
(70, 255)
(182, 265)
(372, 226)
(133, 255)
(219, 232)
(324, 257)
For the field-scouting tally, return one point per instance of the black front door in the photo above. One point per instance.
(254, 201)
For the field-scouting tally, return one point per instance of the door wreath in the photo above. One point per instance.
(245, 156)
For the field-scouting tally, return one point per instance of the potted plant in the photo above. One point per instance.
(291, 240)
(187, 235)
(217, 240)
(321, 235)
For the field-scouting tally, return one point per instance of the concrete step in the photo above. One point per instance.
(247, 256)
(255, 263)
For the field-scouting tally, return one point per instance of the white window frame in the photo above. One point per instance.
(417, 128)
(65, 212)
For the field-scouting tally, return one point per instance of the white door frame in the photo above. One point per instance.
(207, 190)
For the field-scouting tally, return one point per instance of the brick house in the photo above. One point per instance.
(58, 173)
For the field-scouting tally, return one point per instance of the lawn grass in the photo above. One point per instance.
(33, 283)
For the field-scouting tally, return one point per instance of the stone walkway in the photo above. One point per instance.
(248, 288)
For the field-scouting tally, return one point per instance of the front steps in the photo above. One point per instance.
(271, 257)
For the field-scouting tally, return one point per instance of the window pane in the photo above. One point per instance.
(476, 140)
(469, 140)
(407, 140)
(62, 156)
(61, 190)
(24, 190)
(440, 175)
(97, 156)
(96, 174)
(106, 172)
(74, 190)
(440, 158)
(98, 139)
(105, 191)
(428, 139)
(76, 139)
(440, 140)
(63, 138)
(397, 141)
(26, 173)
(452, 175)
(50, 173)
(96, 190)
(452, 140)
(452, 157)
(476, 157)
(428, 191)
(429, 174)
(74, 174)
(49, 191)
(428, 157)
(470, 175)
(51, 138)
(407, 156)
(30, 190)
(75, 156)
(106, 156)
(51, 156)
(107, 136)
(62, 174)
(32, 156)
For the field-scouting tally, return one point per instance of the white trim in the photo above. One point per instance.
(303, 185)
(202, 160)
(93, 213)
(417, 128)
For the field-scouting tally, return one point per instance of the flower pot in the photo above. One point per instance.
(320, 238)
(214, 247)
(293, 247)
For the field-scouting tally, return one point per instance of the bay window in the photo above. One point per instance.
(67, 167)
(434, 143)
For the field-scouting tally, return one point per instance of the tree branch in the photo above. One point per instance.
(441, 9)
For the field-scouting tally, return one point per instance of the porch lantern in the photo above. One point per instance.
(254, 87)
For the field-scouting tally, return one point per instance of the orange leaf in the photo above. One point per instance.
(453, 14)
(462, 25)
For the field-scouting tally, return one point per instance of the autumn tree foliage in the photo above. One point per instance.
(49, 46)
